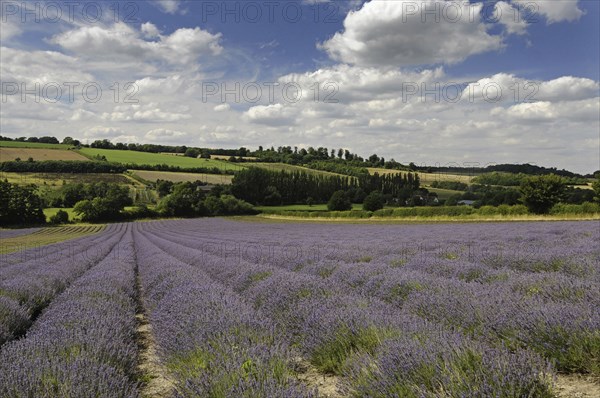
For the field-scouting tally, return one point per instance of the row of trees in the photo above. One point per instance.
(89, 166)
(69, 194)
(265, 187)
(157, 148)
(189, 199)
(62, 166)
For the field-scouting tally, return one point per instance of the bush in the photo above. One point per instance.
(339, 202)
(61, 217)
(374, 201)
(541, 193)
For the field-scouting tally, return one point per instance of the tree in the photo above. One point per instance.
(540, 193)
(205, 154)
(20, 205)
(192, 152)
(339, 202)
(163, 187)
(374, 201)
(596, 187)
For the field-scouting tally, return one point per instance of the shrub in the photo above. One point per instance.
(61, 217)
(374, 201)
(339, 202)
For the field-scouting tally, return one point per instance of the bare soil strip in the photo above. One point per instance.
(577, 386)
(326, 384)
(156, 382)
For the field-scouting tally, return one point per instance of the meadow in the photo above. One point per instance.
(221, 308)
(146, 158)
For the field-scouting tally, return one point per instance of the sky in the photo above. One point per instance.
(432, 82)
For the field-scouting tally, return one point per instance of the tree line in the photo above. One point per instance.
(266, 187)
(90, 166)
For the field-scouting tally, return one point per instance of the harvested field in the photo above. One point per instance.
(8, 154)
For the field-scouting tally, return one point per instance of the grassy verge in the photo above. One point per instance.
(303, 208)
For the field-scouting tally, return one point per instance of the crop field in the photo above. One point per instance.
(134, 157)
(290, 168)
(24, 153)
(219, 308)
(17, 240)
(152, 176)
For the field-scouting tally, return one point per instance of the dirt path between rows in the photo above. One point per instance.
(326, 384)
(156, 382)
(577, 386)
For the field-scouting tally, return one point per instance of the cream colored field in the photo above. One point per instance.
(428, 178)
(225, 157)
(180, 177)
(8, 154)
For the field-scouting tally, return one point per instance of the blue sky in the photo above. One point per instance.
(363, 58)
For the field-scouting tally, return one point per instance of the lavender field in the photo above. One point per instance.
(221, 308)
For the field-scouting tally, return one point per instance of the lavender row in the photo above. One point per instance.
(551, 312)
(30, 259)
(569, 248)
(335, 329)
(23, 296)
(83, 344)
(213, 344)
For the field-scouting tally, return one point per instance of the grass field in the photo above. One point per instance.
(47, 236)
(19, 144)
(152, 176)
(57, 179)
(289, 168)
(8, 154)
(428, 178)
(140, 158)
